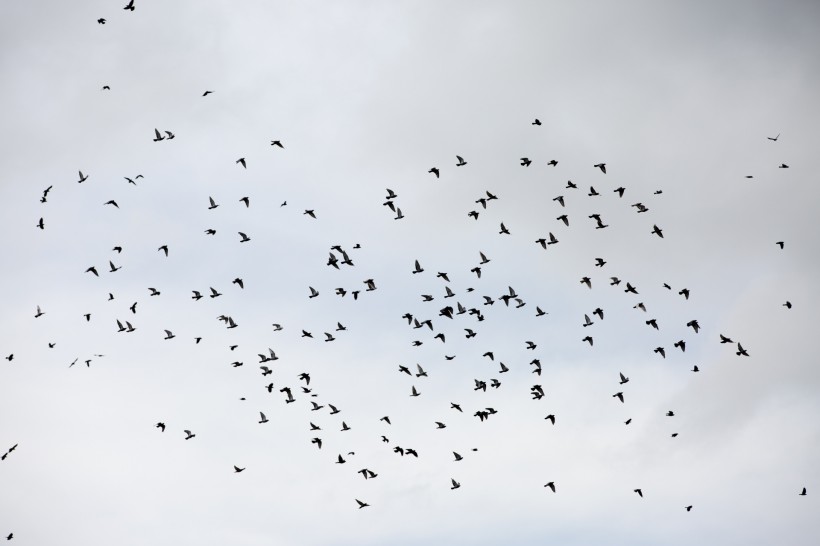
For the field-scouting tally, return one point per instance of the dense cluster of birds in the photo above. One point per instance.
(462, 313)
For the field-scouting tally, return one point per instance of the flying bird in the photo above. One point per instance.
(241, 161)
(461, 161)
(601, 166)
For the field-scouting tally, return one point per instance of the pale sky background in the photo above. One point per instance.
(365, 96)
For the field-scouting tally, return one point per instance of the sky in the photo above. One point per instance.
(693, 107)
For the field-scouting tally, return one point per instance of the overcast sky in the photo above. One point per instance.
(677, 99)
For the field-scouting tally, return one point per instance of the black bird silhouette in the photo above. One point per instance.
(775, 138)
(504, 230)
(803, 492)
(783, 166)
(157, 135)
(551, 485)
(237, 470)
(660, 350)
(741, 351)
(780, 244)
(624, 379)
(40, 224)
(619, 396)
(601, 166)
(657, 231)
(361, 504)
(188, 434)
(244, 238)
(461, 161)
(129, 6)
(435, 171)
(724, 339)
(241, 161)
(639, 492)
(455, 485)
(536, 122)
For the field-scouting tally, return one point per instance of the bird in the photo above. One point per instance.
(457, 457)
(101, 21)
(361, 504)
(244, 238)
(525, 162)
(40, 224)
(639, 492)
(724, 339)
(237, 470)
(780, 244)
(313, 292)
(455, 485)
(263, 419)
(93, 270)
(169, 334)
(775, 138)
(241, 161)
(414, 392)
(660, 350)
(601, 166)
(587, 321)
(39, 313)
(213, 203)
(741, 351)
(536, 122)
(657, 231)
(310, 213)
(418, 268)
(624, 379)
(504, 230)
(803, 492)
(551, 485)
(461, 161)
(189, 435)
(157, 135)
(694, 325)
(129, 6)
(787, 305)
(163, 248)
(434, 171)
(619, 396)
(170, 135)
(551, 418)
(783, 166)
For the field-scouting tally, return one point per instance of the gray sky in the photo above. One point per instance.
(364, 96)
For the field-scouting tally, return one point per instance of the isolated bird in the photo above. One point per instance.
(241, 161)
(551, 485)
(601, 166)
(188, 434)
(461, 161)
(129, 6)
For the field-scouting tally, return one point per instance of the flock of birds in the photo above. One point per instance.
(462, 306)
